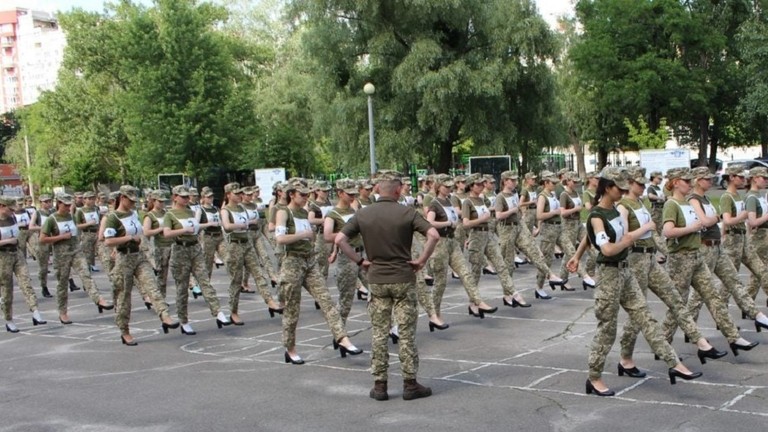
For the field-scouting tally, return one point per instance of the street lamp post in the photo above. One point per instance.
(369, 89)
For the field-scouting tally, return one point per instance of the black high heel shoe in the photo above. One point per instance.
(554, 284)
(173, 325)
(335, 345)
(273, 311)
(237, 323)
(433, 326)
(395, 338)
(489, 272)
(297, 361)
(73, 286)
(102, 308)
(429, 282)
(514, 303)
(559, 255)
(591, 389)
(542, 296)
(632, 372)
(743, 316)
(479, 313)
(565, 288)
(125, 342)
(674, 373)
(220, 323)
(65, 322)
(760, 326)
(148, 305)
(586, 285)
(10, 329)
(317, 306)
(487, 311)
(344, 351)
(736, 347)
(36, 322)
(362, 295)
(711, 353)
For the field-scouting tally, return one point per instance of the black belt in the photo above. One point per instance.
(24, 228)
(212, 233)
(449, 235)
(90, 230)
(300, 254)
(552, 223)
(617, 264)
(359, 249)
(238, 241)
(9, 248)
(707, 242)
(644, 249)
(128, 250)
(186, 243)
(481, 229)
(735, 231)
(654, 205)
(508, 222)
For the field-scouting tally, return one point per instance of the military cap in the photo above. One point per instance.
(114, 195)
(460, 179)
(234, 187)
(129, 192)
(7, 201)
(347, 185)
(572, 176)
(19, 200)
(181, 191)
(45, 197)
(78, 194)
(160, 195)
(617, 175)
(681, 173)
(296, 186)
(593, 174)
(736, 170)
(530, 175)
(637, 174)
(64, 198)
(89, 194)
(562, 171)
(322, 185)
(701, 173)
(407, 181)
(206, 192)
(509, 175)
(277, 185)
(394, 176)
(655, 174)
(549, 176)
(758, 171)
(247, 190)
(364, 184)
(444, 180)
(193, 192)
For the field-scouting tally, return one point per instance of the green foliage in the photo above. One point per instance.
(645, 138)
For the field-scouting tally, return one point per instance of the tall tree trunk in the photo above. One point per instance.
(446, 147)
(713, 143)
(602, 157)
(703, 140)
(578, 150)
(764, 142)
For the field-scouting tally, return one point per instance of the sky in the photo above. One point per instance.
(549, 9)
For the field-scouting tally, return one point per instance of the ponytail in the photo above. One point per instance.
(602, 185)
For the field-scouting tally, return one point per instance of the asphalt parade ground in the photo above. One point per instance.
(518, 369)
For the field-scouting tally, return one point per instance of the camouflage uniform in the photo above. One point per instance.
(756, 203)
(212, 236)
(657, 207)
(572, 229)
(89, 233)
(13, 263)
(254, 233)
(131, 264)
(67, 256)
(550, 232)
(22, 220)
(320, 210)
(43, 250)
(161, 245)
(393, 302)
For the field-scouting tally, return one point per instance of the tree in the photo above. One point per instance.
(753, 44)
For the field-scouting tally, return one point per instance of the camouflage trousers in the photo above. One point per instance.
(133, 268)
(529, 219)
(322, 250)
(67, 257)
(162, 262)
(483, 245)
(186, 261)
(573, 232)
(33, 242)
(658, 238)
(460, 235)
(740, 249)
(213, 244)
(105, 255)
(265, 263)
(618, 287)
(302, 270)
(147, 248)
(517, 237)
(650, 275)
(88, 242)
(551, 236)
(720, 265)
(387, 302)
(347, 275)
(23, 238)
(448, 254)
(758, 240)
(239, 256)
(688, 269)
(423, 294)
(43, 255)
(12, 263)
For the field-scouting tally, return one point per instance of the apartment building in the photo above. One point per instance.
(31, 51)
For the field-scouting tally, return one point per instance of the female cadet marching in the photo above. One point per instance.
(657, 198)
(515, 235)
(43, 250)
(181, 224)
(686, 264)
(548, 216)
(616, 285)
(757, 214)
(240, 251)
(124, 232)
(213, 237)
(254, 233)
(572, 229)
(651, 275)
(299, 268)
(318, 210)
(13, 263)
(87, 220)
(22, 221)
(60, 231)
(153, 230)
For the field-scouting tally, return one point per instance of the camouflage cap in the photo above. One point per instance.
(296, 186)
(78, 194)
(655, 174)
(679, 173)
(129, 192)
(508, 175)
(347, 185)
(234, 188)
(193, 192)
(45, 197)
(530, 175)
(160, 195)
(277, 185)
(7, 201)
(593, 174)
(206, 191)
(64, 198)
(460, 179)
(322, 185)
(475, 178)
(617, 175)
(394, 176)
(736, 170)
(759, 171)
(444, 180)
(247, 190)
(181, 191)
(637, 174)
(549, 176)
(572, 176)
(89, 194)
(364, 184)
(562, 171)
(701, 173)
(19, 199)
(113, 196)
(489, 178)
(407, 181)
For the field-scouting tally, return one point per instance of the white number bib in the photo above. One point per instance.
(9, 232)
(618, 227)
(513, 201)
(132, 225)
(239, 218)
(190, 223)
(22, 219)
(481, 210)
(302, 225)
(740, 207)
(450, 211)
(643, 216)
(576, 201)
(212, 217)
(91, 216)
(554, 204)
(67, 227)
(689, 214)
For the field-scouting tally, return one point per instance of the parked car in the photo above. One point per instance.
(748, 163)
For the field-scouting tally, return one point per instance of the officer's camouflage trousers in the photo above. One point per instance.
(688, 269)
(133, 268)
(398, 302)
(162, 262)
(617, 287)
(483, 245)
(721, 265)
(298, 270)
(88, 245)
(68, 257)
(239, 256)
(448, 254)
(43, 255)
(347, 275)
(186, 261)
(651, 276)
(13, 263)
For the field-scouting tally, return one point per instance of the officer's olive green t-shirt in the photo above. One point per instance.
(182, 218)
(757, 204)
(676, 211)
(637, 216)
(58, 223)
